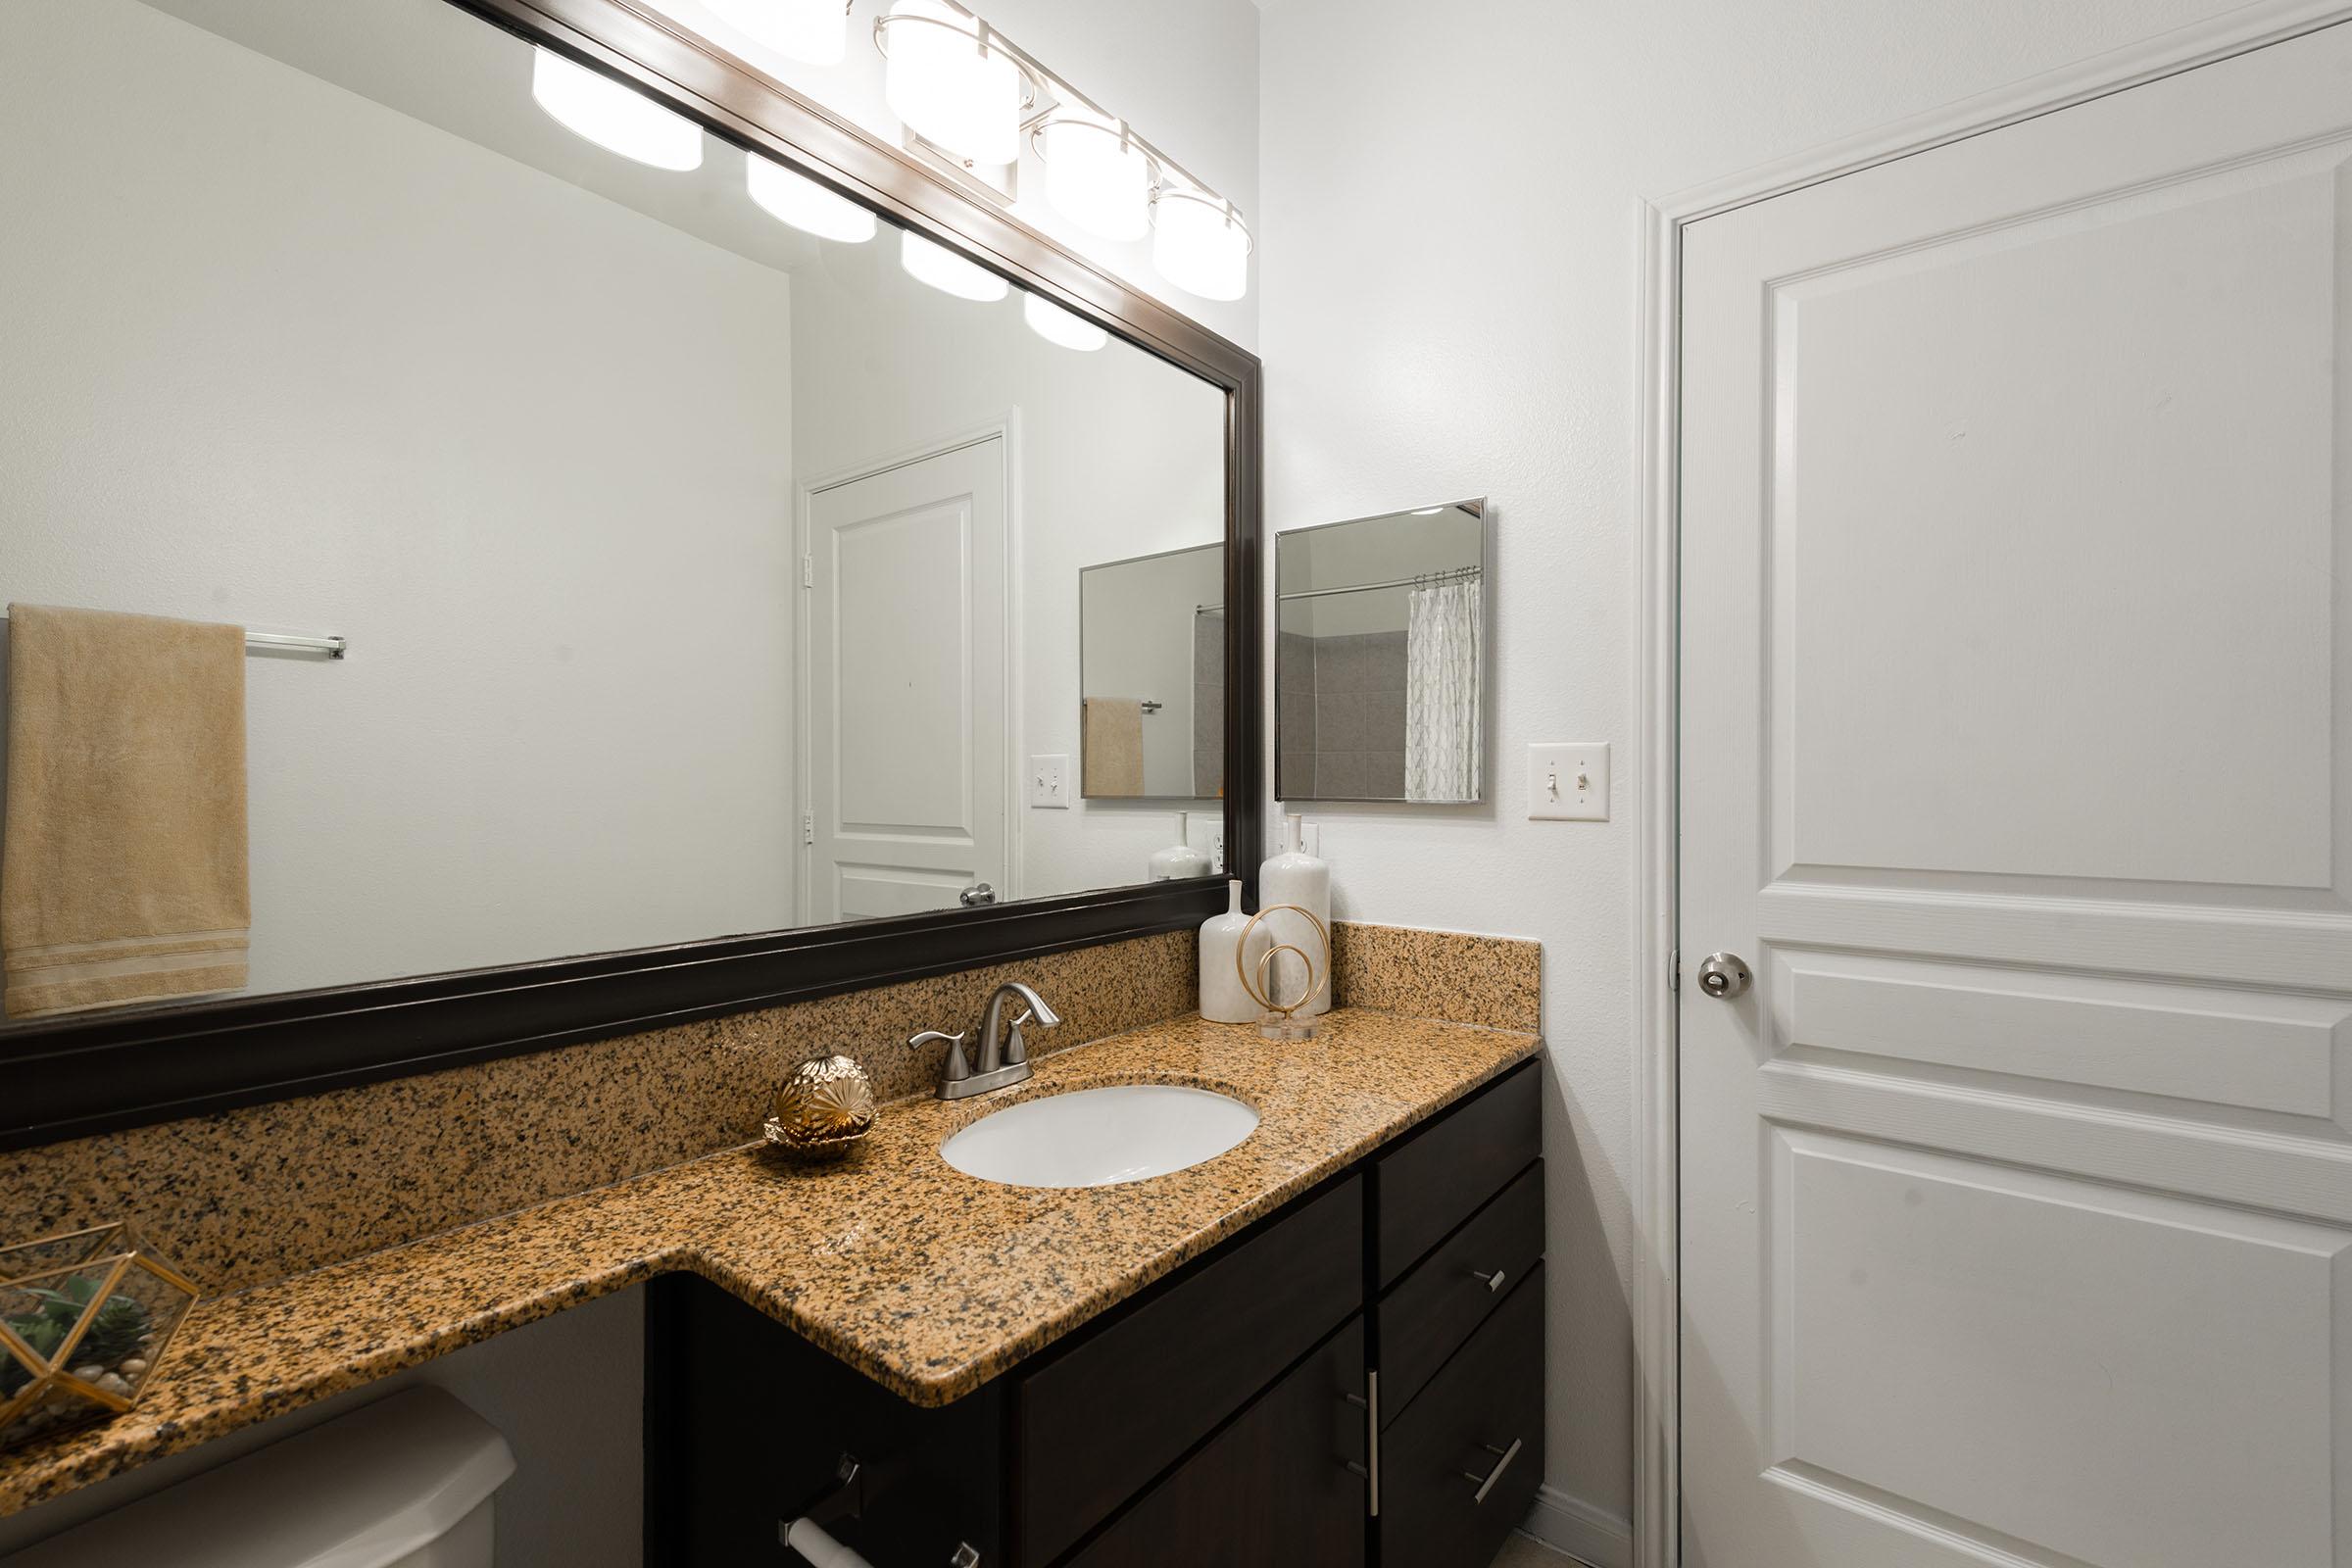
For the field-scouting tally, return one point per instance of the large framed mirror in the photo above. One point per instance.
(662, 533)
(1380, 657)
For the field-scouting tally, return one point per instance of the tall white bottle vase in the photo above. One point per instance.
(1179, 860)
(1297, 877)
(1223, 996)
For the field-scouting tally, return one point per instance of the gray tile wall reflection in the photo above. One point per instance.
(1358, 688)
(1208, 704)
(1296, 656)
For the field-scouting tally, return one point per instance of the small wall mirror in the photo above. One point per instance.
(1380, 669)
(1152, 676)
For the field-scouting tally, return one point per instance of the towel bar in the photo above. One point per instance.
(332, 647)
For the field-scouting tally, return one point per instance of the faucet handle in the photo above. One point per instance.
(957, 1068)
(1016, 1049)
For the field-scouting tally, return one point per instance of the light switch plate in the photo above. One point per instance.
(1050, 783)
(1568, 781)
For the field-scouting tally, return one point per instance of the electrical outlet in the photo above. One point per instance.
(1049, 783)
(1568, 782)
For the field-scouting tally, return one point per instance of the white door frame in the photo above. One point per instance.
(1657, 1295)
(1005, 428)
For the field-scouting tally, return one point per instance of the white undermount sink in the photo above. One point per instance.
(1099, 1137)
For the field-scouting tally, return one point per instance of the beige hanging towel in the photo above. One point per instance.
(122, 874)
(1113, 762)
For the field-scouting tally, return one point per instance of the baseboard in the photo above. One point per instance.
(1592, 1534)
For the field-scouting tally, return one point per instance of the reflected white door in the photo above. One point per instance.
(2017, 761)
(906, 659)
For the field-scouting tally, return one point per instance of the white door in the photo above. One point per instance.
(907, 659)
(2017, 762)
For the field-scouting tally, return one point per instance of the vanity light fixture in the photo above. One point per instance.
(1096, 176)
(795, 199)
(614, 117)
(1055, 325)
(961, 85)
(1199, 245)
(814, 32)
(947, 272)
(951, 80)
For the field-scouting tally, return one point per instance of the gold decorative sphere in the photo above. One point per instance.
(823, 1107)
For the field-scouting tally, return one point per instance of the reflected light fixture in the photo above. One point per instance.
(1096, 176)
(795, 199)
(947, 272)
(950, 81)
(1198, 244)
(615, 117)
(1055, 325)
(814, 32)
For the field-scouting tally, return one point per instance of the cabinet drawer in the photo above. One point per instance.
(1272, 1488)
(1434, 1460)
(1094, 1423)
(1442, 1301)
(1425, 1186)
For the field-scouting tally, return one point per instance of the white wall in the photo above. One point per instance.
(1184, 73)
(1116, 453)
(1450, 288)
(287, 358)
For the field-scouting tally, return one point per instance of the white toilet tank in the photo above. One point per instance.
(404, 1483)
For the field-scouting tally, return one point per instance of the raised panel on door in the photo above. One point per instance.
(2016, 760)
(908, 654)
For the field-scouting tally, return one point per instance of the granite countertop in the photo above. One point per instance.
(929, 1281)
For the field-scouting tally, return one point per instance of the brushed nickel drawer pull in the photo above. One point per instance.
(1486, 1483)
(1493, 1281)
(1369, 1402)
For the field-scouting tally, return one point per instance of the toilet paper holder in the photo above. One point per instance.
(844, 1498)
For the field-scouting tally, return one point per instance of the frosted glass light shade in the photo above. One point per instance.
(1055, 325)
(1199, 246)
(815, 30)
(808, 207)
(614, 116)
(1097, 178)
(945, 271)
(948, 88)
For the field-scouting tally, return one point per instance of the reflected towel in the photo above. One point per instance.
(123, 873)
(1113, 759)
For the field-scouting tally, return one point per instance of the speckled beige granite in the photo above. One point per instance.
(928, 1280)
(1497, 982)
(254, 1195)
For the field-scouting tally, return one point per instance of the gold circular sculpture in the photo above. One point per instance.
(1280, 1021)
(822, 1108)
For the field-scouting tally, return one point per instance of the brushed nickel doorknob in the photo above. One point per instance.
(1724, 975)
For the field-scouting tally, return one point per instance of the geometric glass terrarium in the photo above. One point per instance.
(84, 1321)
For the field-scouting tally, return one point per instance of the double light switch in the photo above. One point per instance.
(1568, 782)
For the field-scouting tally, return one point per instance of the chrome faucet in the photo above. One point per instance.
(1003, 1052)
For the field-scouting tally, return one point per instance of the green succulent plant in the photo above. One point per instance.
(113, 1333)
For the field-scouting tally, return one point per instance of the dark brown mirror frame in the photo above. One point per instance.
(103, 1072)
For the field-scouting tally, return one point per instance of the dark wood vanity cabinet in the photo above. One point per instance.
(1356, 1379)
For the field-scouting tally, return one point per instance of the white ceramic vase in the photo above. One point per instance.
(1297, 877)
(1223, 996)
(1179, 860)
